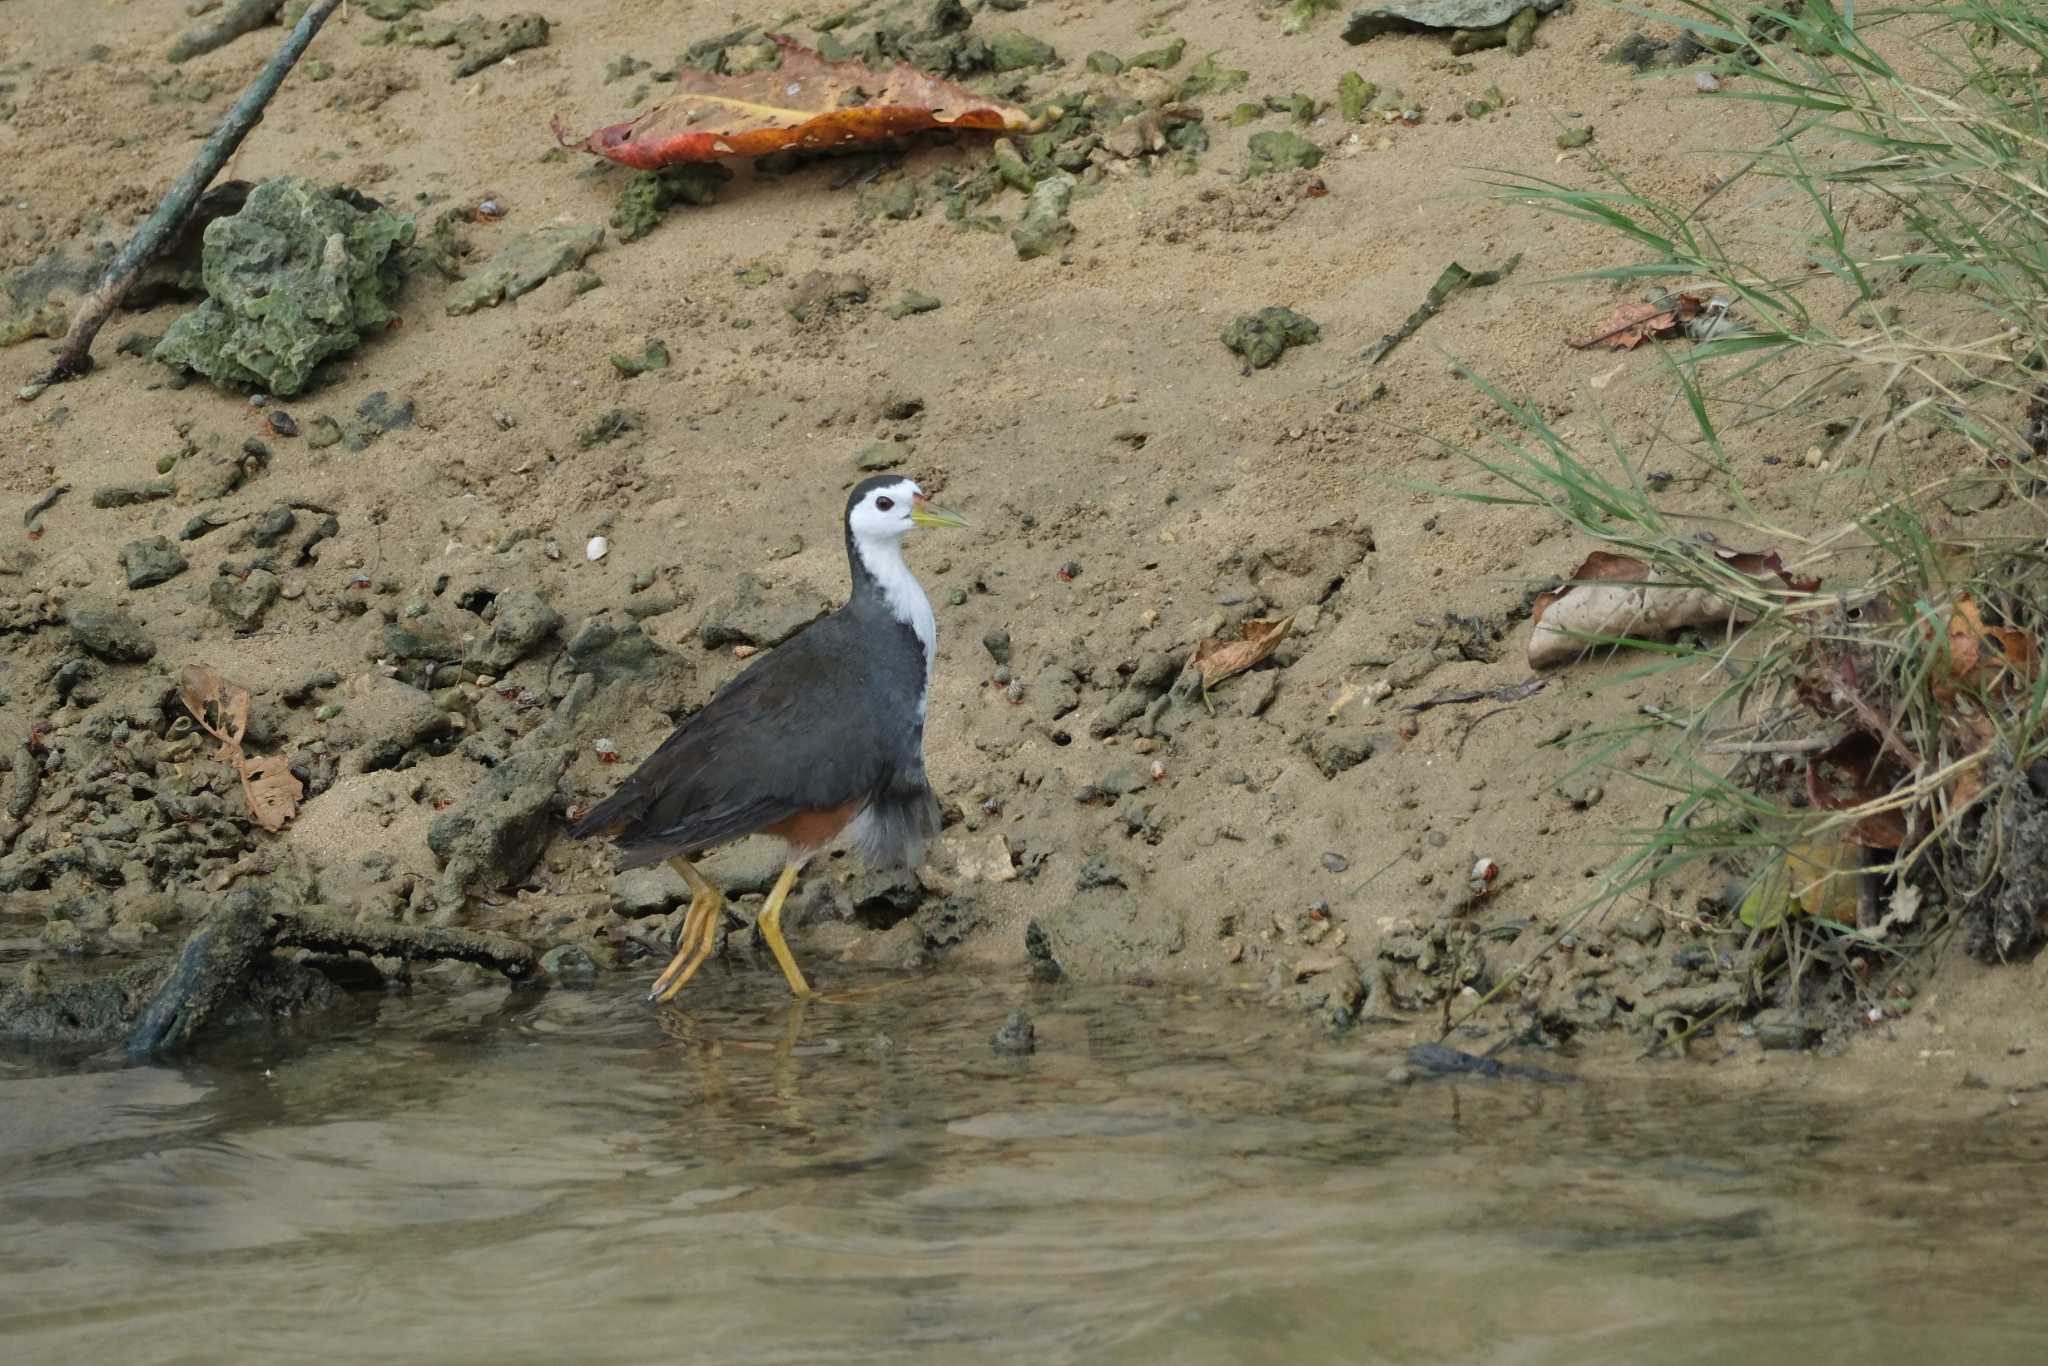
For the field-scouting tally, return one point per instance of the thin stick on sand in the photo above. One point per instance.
(74, 358)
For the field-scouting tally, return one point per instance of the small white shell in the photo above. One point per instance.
(598, 548)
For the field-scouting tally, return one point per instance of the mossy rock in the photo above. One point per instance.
(301, 274)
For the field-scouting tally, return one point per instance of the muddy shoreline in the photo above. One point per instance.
(398, 562)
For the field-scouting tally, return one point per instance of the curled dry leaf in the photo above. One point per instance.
(1630, 325)
(1217, 659)
(805, 102)
(272, 790)
(222, 710)
(1611, 597)
(1980, 655)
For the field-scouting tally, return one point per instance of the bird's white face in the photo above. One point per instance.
(886, 513)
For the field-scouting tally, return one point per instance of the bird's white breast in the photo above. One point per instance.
(906, 599)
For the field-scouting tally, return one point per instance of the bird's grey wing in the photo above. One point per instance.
(790, 734)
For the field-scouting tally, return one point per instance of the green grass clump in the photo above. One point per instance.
(1897, 713)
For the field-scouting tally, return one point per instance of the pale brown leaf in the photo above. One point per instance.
(272, 790)
(1218, 659)
(1630, 325)
(222, 710)
(1614, 596)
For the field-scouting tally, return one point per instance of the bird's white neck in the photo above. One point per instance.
(882, 556)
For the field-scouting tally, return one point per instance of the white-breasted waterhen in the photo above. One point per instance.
(819, 737)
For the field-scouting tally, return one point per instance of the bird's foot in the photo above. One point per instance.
(693, 945)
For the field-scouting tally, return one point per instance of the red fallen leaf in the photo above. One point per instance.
(1630, 325)
(806, 102)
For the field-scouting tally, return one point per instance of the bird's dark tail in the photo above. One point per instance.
(609, 816)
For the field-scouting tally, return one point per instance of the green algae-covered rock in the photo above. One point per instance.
(1260, 337)
(299, 275)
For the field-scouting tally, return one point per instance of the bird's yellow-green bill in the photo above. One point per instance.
(924, 514)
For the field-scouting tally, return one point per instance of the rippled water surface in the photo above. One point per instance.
(574, 1177)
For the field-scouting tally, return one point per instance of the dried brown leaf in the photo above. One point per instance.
(272, 790)
(1600, 567)
(1630, 325)
(1218, 659)
(221, 708)
(1613, 596)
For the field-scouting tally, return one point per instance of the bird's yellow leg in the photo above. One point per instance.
(695, 920)
(770, 927)
(700, 932)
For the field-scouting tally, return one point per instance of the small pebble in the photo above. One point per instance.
(283, 423)
(569, 965)
(1336, 863)
(1018, 1035)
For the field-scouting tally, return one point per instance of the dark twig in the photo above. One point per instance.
(74, 358)
(1451, 697)
(43, 505)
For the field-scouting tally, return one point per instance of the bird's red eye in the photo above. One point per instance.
(883, 504)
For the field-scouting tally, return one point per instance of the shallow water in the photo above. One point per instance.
(566, 1176)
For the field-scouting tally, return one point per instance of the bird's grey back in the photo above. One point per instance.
(830, 716)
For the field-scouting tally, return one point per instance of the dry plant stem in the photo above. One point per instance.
(1812, 745)
(74, 358)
